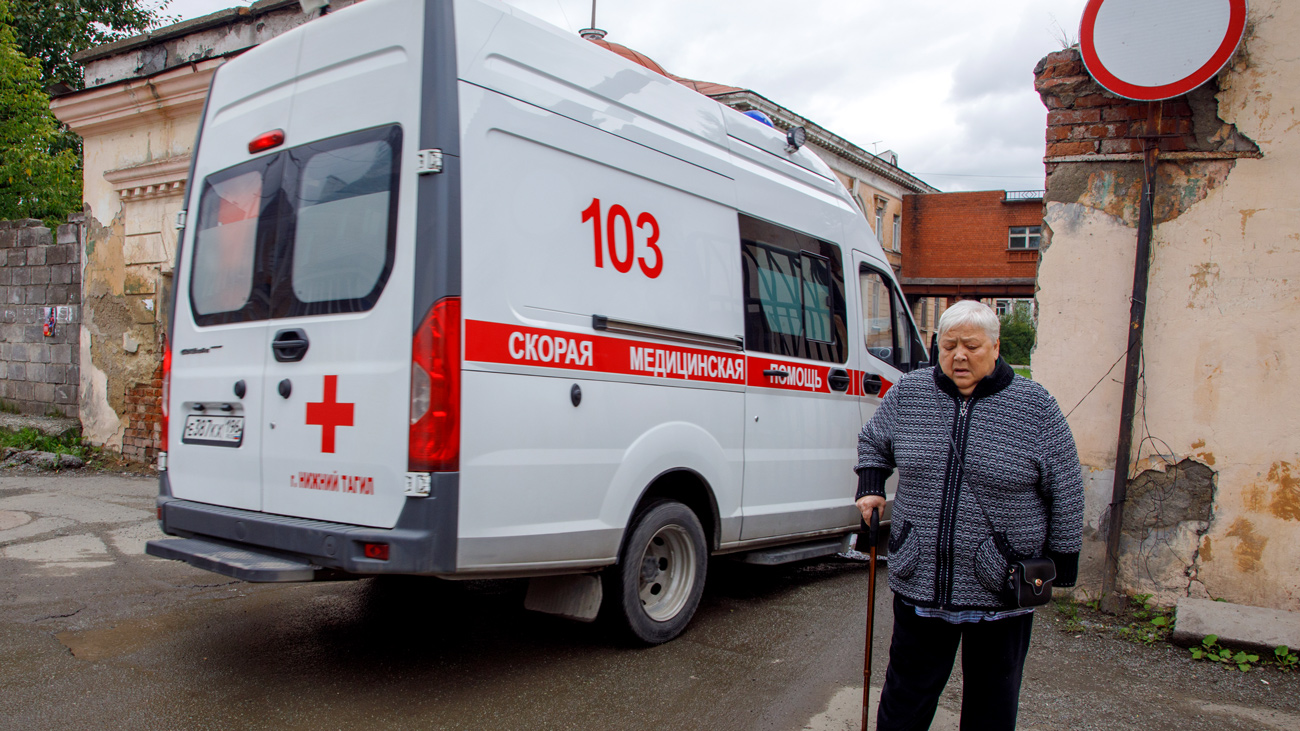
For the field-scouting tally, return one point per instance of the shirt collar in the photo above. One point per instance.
(1000, 378)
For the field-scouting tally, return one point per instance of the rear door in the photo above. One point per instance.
(219, 330)
(338, 373)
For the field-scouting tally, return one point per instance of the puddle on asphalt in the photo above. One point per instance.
(122, 638)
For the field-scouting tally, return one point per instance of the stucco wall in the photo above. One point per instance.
(1220, 351)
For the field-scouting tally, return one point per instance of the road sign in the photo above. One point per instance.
(1158, 49)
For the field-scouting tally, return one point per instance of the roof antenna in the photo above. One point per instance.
(593, 33)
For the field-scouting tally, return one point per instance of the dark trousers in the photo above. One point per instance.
(921, 655)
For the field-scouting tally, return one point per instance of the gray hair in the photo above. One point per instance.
(971, 312)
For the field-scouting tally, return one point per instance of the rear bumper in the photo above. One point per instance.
(422, 542)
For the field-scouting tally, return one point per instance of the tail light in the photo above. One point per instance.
(166, 391)
(435, 390)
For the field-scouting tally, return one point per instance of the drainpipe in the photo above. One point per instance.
(1111, 601)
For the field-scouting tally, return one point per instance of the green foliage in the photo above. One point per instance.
(35, 181)
(1069, 609)
(1153, 622)
(1211, 651)
(1018, 334)
(1286, 660)
(50, 31)
(28, 438)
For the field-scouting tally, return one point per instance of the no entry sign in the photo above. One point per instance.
(1158, 49)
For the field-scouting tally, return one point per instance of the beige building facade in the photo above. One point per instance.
(1213, 505)
(138, 116)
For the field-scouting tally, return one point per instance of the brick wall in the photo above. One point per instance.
(40, 269)
(143, 438)
(964, 236)
(1085, 119)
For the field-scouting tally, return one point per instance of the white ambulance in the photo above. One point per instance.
(461, 295)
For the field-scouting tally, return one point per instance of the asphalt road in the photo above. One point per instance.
(94, 634)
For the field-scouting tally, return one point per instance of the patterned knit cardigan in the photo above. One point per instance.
(1007, 449)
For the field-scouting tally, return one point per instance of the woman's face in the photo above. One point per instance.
(966, 355)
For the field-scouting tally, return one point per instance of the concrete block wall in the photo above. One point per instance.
(39, 268)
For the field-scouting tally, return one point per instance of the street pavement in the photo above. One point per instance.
(94, 634)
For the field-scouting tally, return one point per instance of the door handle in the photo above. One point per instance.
(290, 345)
(771, 373)
(871, 384)
(839, 379)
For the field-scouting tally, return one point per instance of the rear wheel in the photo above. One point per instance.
(655, 587)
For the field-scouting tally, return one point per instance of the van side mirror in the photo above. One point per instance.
(934, 349)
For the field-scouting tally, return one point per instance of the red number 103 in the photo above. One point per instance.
(618, 219)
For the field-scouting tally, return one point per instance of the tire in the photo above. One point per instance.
(654, 589)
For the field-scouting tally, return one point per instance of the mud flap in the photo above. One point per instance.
(575, 597)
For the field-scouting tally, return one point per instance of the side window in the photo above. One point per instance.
(794, 293)
(877, 321)
(888, 331)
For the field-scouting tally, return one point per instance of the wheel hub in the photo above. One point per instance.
(667, 573)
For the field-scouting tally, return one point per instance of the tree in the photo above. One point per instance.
(35, 180)
(1018, 334)
(50, 31)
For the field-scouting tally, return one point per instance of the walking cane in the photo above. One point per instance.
(872, 532)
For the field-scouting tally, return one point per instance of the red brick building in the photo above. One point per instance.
(978, 245)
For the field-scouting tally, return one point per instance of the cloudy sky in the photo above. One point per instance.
(947, 84)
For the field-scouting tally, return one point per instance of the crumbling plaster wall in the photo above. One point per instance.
(1221, 348)
(130, 247)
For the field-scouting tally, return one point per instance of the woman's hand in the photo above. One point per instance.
(867, 502)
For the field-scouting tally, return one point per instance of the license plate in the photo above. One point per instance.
(218, 431)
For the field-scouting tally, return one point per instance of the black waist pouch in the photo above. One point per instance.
(1031, 581)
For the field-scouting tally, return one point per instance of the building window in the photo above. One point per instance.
(880, 224)
(898, 233)
(1024, 237)
(1003, 308)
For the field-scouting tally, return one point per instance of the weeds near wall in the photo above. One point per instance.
(1145, 623)
(1151, 623)
(1210, 651)
(24, 439)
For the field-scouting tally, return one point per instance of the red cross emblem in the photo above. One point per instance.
(329, 413)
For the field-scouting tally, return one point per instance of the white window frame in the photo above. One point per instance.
(1024, 238)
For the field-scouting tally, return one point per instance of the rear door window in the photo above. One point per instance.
(345, 215)
(306, 231)
(226, 244)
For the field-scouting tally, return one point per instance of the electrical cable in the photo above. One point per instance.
(1099, 380)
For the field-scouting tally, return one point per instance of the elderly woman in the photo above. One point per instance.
(987, 475)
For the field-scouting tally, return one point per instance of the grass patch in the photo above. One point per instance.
(1022, 371)
(28, 438)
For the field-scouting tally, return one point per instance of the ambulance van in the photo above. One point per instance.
(461, 295)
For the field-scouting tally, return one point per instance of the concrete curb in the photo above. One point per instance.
(1236, 625)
